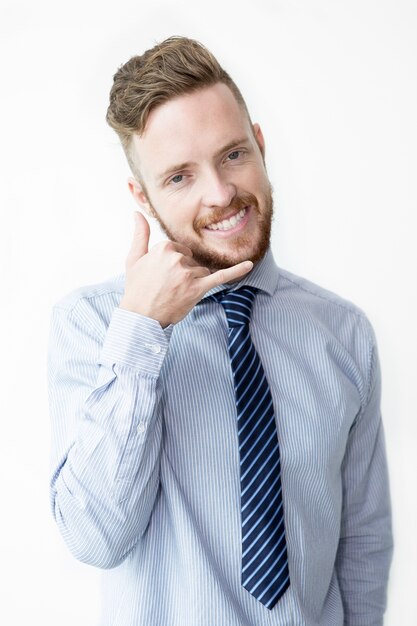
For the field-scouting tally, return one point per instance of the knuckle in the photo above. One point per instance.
(159, 248)
(167, 245)
(183, 260)
(176, 259)
(187, 274)
(222, 276)
(194, 291)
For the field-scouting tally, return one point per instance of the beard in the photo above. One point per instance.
(214, 260)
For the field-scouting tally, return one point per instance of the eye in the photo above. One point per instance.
(177, 179)
(234, 155)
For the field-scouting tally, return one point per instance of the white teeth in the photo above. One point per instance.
(229, 223)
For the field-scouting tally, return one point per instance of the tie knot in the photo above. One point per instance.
(237, 304)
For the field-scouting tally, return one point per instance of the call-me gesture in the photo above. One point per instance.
(165, 282)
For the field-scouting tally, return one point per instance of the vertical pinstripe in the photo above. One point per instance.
(145, 467)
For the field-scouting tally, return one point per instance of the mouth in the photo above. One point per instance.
(232, 224)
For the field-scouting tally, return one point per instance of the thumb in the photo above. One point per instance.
(140, 242)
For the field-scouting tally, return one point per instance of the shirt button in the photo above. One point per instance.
(141, 427)
(155, 348)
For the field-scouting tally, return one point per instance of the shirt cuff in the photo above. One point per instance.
(135, 340)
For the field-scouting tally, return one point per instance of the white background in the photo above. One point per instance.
(333, 85)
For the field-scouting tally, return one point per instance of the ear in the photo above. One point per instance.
(140, 196)
(259, 138)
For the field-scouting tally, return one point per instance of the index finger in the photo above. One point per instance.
(224, 275)
(183, 249)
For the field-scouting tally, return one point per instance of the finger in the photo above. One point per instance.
(199, 271)
(180, 247)
(225, 275)
(188, 261)
(140, 243)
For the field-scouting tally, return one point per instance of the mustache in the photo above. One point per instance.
(238, 203)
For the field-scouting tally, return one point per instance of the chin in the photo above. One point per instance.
(216, 260)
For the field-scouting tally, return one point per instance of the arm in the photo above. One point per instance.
(365, 547)
(104, 395)
(106, 431)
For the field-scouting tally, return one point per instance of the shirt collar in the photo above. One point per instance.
(263, 275)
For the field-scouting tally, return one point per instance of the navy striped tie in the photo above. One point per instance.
(264, 552)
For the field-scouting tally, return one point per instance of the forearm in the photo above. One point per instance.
(104, 492)
(106, 475)
(365, 549)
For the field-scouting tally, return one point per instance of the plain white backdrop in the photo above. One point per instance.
(333, 84)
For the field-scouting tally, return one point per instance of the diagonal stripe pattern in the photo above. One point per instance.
(265, 571)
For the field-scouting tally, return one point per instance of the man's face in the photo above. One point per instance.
(204, 177)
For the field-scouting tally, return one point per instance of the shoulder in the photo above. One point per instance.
(91, 306)
(321, 305)
(313, 294)
(112, 288)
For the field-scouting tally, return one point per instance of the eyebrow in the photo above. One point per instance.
(181, 166)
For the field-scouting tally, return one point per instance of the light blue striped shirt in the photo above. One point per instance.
(145, 465)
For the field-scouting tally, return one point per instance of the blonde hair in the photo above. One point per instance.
(172, 68)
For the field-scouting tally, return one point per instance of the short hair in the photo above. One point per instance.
(174, 67)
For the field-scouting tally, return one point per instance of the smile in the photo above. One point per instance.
(229, 223)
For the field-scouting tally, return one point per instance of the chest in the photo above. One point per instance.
(312, 379)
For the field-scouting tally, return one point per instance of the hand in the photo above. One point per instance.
(164, 283)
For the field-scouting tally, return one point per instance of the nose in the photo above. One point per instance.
(217, 191)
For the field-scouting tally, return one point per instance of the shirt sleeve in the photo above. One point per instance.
(365, 547)
(106, 429)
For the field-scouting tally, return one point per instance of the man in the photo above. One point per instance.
(223, 476)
